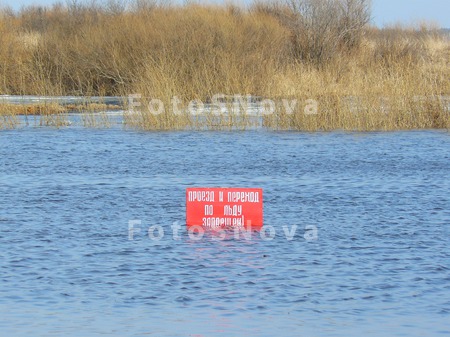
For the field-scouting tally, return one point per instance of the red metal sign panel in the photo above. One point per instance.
(219, 208)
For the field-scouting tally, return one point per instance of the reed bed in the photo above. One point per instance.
(361, 77)
(96, 119)
(8, 120)
(55, 114)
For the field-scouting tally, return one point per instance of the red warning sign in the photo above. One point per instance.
(219, 208)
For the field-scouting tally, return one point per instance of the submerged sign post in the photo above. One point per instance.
(219, 208)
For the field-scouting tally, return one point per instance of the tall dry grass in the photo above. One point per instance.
(363, 78)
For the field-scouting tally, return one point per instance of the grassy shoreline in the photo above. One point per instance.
(363, 78)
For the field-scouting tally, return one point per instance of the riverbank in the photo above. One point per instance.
(362, 78)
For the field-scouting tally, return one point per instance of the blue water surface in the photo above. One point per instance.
(379, 263)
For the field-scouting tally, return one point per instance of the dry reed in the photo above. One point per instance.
(367, 79)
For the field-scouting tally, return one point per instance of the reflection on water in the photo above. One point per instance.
(380, 264)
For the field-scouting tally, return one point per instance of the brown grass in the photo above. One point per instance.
(373, 79)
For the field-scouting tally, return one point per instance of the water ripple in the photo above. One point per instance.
(380, 265)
